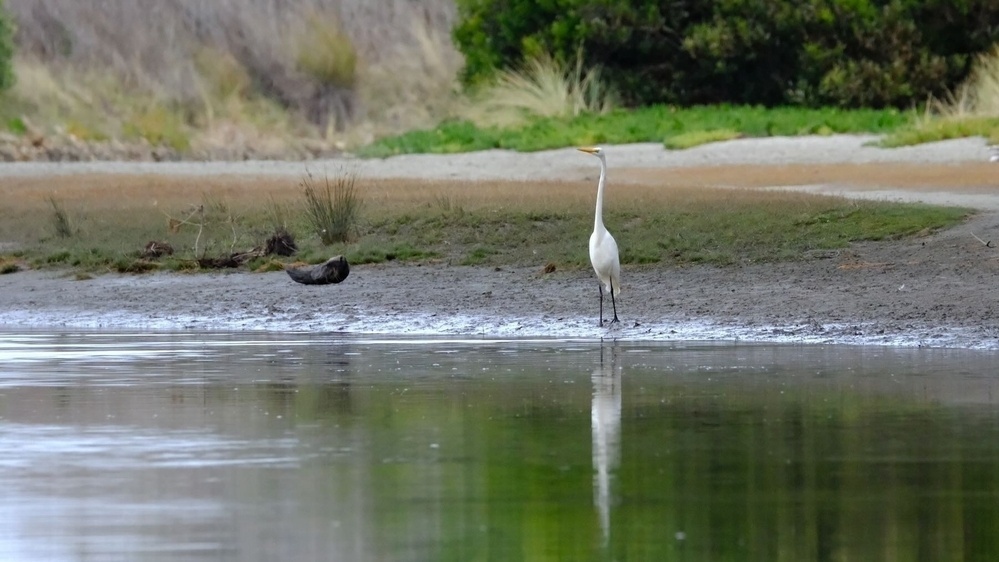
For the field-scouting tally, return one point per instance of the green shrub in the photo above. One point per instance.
(848, 53)
(6, 49)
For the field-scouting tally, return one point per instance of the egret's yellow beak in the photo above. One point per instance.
(587, 149)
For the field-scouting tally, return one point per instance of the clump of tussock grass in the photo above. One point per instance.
(971, 110)
(542, 87)
(60, 218)
(326, 53)
(333, 206)
(448, 203)
(978, 96)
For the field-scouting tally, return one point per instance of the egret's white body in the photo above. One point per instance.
(603, 247)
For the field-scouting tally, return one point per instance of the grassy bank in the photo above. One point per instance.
(97, 224)
(676, 127)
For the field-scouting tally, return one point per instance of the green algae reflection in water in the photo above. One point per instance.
(311, 447)
(654, 460)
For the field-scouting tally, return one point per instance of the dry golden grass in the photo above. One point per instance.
(968, 176)
(971, 110)
(236, 73)
(113, 192)
(634, 186)
(92, 105)
(158, 194)
(408, 88)
(542, 87)
(978, 96)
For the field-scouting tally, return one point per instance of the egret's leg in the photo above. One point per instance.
(600, 288)
(614, 304)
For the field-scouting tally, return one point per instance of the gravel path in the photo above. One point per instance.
(932, 291)
(562, 163)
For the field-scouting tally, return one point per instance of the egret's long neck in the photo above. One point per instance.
(598, 219)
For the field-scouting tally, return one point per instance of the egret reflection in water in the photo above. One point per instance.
(605, 415)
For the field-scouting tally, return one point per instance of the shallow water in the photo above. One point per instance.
(256, 446)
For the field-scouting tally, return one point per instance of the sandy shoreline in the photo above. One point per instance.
(936, 291)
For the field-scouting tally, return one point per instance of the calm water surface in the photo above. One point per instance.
(213, 446)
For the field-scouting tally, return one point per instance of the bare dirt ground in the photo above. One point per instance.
(937, 290)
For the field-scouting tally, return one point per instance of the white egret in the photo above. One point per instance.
(603, 248)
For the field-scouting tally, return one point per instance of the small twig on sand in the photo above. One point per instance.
(987, 244)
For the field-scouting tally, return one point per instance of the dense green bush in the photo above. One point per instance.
(6, 49)
(850, 53)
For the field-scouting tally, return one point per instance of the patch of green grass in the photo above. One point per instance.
(478, 255)
(16, 125)
(944, 128)
(94, 257)
(485, 224)
(58, 257)
(649, 124)
(755, 233)
(447, 138)
(720, 232)
(182, 265)
(401, 251)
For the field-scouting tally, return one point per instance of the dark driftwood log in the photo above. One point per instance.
(332, 270)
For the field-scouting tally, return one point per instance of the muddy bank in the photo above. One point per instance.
(936, 290)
